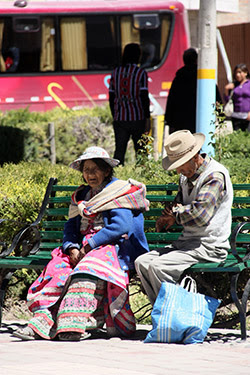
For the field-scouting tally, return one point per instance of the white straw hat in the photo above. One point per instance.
(94, 152)
(181, 146)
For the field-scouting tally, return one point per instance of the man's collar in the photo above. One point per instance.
(200, 170)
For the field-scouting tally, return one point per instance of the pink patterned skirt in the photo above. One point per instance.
(95, 293)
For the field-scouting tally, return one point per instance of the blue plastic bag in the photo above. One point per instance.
(180, 316)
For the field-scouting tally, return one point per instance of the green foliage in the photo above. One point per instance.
(231, 149)
(22, 188)
(74, 131)
(140, 304)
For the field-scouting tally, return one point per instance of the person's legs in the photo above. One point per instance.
(78, 308)
(122, 135)
(142, 268)
(165, 264)
(240, 124)
(137, 128)
(169, 267)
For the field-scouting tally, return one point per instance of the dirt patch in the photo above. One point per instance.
(15, 309)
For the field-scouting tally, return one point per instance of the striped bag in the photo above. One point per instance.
(180, 316)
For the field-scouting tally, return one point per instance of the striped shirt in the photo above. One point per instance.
(126, 84)
(201, 210)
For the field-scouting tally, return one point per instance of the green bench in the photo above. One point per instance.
(32, 245)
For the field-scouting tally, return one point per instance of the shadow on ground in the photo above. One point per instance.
(140, 334)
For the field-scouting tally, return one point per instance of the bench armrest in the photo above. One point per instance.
(233, 242)
(25, 242)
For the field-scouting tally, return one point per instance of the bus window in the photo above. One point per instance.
(73, 43)
(88, 43)
(47, 55)
(165, 32)
(21, 44)
(151, 31)
(26, 25)
(2, 62)
(146, 21)
(27, 45)
(101, 42)
(80, 43)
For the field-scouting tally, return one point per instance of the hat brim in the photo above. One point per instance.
(76, 163)
(169, 165)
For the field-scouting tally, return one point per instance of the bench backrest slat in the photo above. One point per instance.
(56, 214)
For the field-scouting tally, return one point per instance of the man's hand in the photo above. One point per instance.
(164, 222)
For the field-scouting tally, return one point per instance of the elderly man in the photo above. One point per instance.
(202, 206)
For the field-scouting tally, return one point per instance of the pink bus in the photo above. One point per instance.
(61, 53)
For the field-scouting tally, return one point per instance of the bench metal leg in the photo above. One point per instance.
(3, 288)
(241, 305)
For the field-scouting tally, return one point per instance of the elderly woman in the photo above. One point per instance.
(86, 283)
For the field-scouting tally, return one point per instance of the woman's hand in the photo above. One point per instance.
(73, 256)
(83, 251)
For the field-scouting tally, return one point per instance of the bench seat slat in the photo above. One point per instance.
(227, 266)
(29, 262)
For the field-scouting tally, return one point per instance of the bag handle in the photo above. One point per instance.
(189, 284)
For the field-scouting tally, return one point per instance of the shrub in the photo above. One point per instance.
(74, 131)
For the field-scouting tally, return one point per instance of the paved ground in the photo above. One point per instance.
(221, 353)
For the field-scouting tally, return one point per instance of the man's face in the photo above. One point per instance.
(189, 168)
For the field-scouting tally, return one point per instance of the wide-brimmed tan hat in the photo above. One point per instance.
(94, 152)
(181, 146)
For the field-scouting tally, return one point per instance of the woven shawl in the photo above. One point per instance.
(129, 194)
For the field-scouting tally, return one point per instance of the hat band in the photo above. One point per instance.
(179, 154)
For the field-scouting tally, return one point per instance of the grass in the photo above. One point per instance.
(140, 302)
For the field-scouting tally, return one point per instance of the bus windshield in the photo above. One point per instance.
(80, 42)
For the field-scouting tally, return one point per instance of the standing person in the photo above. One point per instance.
(181, 103)
(129, 101)
(202, 206)
(86, 283)
(241, 97)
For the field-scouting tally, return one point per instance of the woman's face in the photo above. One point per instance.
(92, 174)
(240, 76)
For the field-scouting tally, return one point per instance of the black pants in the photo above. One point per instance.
(240, 124)
(123, 130)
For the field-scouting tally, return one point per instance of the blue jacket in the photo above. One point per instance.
(116, 223)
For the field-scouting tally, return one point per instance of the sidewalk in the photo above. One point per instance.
(221, 353)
